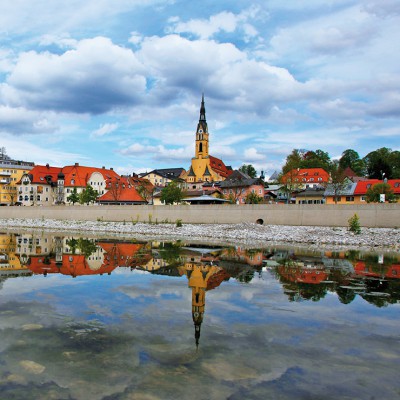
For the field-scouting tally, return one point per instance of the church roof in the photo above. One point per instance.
(218, 166)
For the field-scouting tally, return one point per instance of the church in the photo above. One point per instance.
(205, 167)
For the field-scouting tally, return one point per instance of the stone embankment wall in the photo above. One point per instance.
(371, 215)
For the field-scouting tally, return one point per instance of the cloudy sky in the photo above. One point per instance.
(119, 84)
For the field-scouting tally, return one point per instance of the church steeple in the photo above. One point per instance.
(202, 133)
(202, 110)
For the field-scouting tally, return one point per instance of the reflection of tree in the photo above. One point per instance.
(346, 296)
(170, 252)
(85, 246)
(246, 276)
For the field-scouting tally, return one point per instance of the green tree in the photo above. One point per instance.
(379, 163)
(172, 193)
(88, 195)
(248, 170)
(351, 159)
(73, 197)
(374, 192)
(293, 161)
(316, 159)
(253, 198)
(146, 190)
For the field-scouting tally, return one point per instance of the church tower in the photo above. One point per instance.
(202, 133)
(204, 167)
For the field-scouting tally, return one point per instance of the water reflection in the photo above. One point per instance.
(122, 319)
(304, 275)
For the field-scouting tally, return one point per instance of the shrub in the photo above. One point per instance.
(178, 223)
(354, 224)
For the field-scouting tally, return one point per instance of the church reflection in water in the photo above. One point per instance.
(303, 274)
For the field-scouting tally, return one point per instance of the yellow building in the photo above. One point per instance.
(11, 172)
(9, 260)
(204, 167)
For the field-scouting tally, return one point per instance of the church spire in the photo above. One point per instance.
(202, 110)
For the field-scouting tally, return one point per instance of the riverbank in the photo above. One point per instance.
(243, 233)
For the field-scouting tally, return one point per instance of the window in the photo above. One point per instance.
(363, 198)
(311, 179)
(319, 179)
(349, 198)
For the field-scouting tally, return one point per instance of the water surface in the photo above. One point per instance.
(85, 318)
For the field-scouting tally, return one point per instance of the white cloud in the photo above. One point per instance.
(204, 29)
(105, 129)
(94, 78)
(224, 21)
(251, 154)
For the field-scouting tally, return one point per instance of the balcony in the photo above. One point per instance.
(5, 180)
(4, 173)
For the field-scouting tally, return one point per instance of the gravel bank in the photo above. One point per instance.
(246, 233)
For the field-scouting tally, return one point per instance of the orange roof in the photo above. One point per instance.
(124, 192)
(80, 174)
(120, 254)
(39, 173)
(307, 175)
(363, 186)
(218, 166)
(391, 271)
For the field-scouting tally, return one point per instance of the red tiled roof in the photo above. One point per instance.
(81, 174)
(306, 174)
(218, 166)
(126, 193)
(39, 173)
(363, 186)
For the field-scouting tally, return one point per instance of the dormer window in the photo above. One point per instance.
(368, 186)
(72, 181)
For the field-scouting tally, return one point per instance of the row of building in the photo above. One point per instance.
(207, 180)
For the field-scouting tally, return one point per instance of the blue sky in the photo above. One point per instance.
(119, 84)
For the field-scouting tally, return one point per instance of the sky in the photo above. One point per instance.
(119, 83)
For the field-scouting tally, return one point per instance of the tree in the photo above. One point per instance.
(316, 159)
(293, 161)
(351, 159)
(379, 163)
(248, 170)
(115, 187)
(338, 179)
(88, 195)
(374, 192)
(172, 193)
(146, 190)
(73, 197)
(291, 182)
(253, 198)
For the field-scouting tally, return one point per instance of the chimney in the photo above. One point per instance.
(111, 169)
(47, 166)
(76, 164)
(103, 167)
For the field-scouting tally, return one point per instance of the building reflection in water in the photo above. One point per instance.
(304, 274)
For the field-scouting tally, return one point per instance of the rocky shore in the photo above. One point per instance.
(245, 233)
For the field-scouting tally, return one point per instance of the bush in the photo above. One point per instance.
(354, 224)
(178, 223)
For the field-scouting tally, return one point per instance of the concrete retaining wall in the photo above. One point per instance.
(371, 215)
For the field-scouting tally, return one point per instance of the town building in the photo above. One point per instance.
(303, 178)
(162, 177)
(239, 185)
(46, 185)
(204, 167)
(11, 172)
